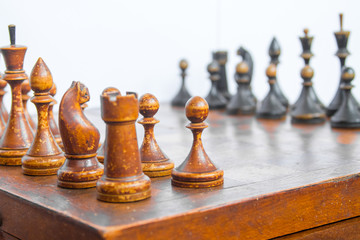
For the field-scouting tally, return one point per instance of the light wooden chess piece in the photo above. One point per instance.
(197, 171)
(123, 179)
(44, 156)
(25, 89)
(154, 162)
(81, 140)
(53, 126)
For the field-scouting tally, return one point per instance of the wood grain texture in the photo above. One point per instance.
(278, 179)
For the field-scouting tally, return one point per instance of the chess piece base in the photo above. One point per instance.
(250, 111)
(270, 116)
(314, 120)
(80, 173)
(100, 159)
(12, 156)
(123, 189)
(353, 125)
(42, 165)
(157, 169)
(197, 180)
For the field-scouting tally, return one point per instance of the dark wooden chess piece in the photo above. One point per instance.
(271, 107)
(44, 156)
(53, 125)
(274, 52)
(222, 86)
(154, 162)
(307, 111)
(81, 141)
(242, 102)
(197, 171)
(246, 57)
(306, 42)
(18, 135)
(25, 89)
(3, 112)
(123, 179)
(342, 38)
(348, 114)
(183, 95)
(215, 99)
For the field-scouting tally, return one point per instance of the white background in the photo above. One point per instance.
(136, 45)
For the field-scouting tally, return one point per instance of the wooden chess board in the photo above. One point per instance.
(279, 179)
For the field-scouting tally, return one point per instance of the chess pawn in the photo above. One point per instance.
(221, 57)
(3, 112)
(154, 162)
(348, 115)
(183, 95)
(271, 107)
(25, 89)
(242, 102)
(307, 111)
(44, 156)
(81, 140)
(342, 53)
(18, 135)
(306, 42)
(246, 57)
(274, 52)
(53, 125)
(123, 179)
(215, 99)
(197, 171)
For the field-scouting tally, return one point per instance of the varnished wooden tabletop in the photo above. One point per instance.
(279, 179)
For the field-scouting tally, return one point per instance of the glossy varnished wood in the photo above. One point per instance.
(278, 179)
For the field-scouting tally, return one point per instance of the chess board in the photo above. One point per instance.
(279, 179)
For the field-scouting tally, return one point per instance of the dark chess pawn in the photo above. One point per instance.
(342, 53)
(274, 52)
(306, 42)
(221, 85)
(242, 102)
(44, 156)
(307, 111)
(3, 112)
(81, 140)
(197, 171)
(246, 57)
(25, 89)
(18, 135)
(123, 179)
(183, 95)
(154, 162)
(348, 115)
(215, 99)
(271, 107)
(53, 125)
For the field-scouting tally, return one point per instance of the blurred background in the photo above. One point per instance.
(137, 45)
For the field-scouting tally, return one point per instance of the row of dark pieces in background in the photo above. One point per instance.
(308, 109)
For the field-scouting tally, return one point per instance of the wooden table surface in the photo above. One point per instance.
(279, 179)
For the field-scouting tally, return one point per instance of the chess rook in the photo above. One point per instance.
(348, 115)
(44, 156)
(183, 95)
(53, 126)
(81, 141)
(154, 162)
(123, 179)
(271, 107)
(215, 99)
(197, 171)
(18, 135)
